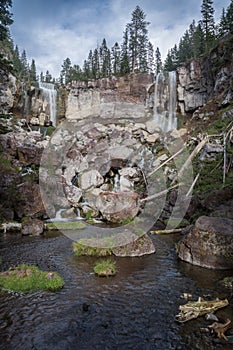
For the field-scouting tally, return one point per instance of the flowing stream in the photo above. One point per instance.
(134, 310)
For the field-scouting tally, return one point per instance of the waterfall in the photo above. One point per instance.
(165, 101)
(50, 94)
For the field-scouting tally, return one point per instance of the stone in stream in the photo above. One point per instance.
(209, 243)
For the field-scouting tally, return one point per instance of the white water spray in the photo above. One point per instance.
(50, 94)
(165, 101)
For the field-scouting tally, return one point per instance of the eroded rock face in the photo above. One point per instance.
(7, 91)
(209, 243)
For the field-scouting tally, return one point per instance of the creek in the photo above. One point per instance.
(136, 309)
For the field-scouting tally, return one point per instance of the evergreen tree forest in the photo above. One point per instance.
(135, 54)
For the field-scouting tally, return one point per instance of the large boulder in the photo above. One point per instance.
(29, 202)
(115, 207)
(209, 243)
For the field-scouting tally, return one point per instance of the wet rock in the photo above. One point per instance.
(138, 247)
(73, 195)
(33, 227)
(209, 243)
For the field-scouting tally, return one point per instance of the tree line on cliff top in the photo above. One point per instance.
(135, 54)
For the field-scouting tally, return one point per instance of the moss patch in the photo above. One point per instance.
(26, 278)
(66, 225)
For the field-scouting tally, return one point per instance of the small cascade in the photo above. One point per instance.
(165, 101)
(116, 184)
(50, 94)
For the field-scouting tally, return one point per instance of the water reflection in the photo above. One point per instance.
(134, 310)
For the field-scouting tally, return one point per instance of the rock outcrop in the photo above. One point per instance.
(7, 91)
(204, 78)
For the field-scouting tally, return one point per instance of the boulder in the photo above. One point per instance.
(29, 202)
(89, 179)
(115, 207)
(209, 243)
(33, 227)
(138, 247)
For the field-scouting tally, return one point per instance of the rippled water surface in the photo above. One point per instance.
(134, 310)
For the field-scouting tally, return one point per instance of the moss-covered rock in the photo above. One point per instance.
(26, 278)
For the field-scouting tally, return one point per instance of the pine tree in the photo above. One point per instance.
(96, 64)
(207, 22)
(65, 72)
(105, 60)
(151, 59)
(138, 40)
(5, 18)
(229, 18)
(125, 61)
(115, 59)
(24, 71)
(32, 71)
(158, 61)
(48, 77)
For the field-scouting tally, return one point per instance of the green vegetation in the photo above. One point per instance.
(105, 268)
(65, 225)
(82, 247)
(26, 278)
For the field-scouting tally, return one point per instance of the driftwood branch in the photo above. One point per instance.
(165, 162)
(189, 160)
(161, 232)
(159, 194)
(192, 186)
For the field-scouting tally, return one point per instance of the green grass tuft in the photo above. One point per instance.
(81, 249)
(105, 268)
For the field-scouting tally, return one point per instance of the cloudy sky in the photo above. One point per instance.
(52, 30)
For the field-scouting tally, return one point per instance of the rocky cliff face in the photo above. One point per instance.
(109, 97)
(7, 91)
(206, 78)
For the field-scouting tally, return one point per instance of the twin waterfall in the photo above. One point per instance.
(50, 95)
(165, 101)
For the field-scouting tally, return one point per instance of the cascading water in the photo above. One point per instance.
(50, 94)
(165, 101)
